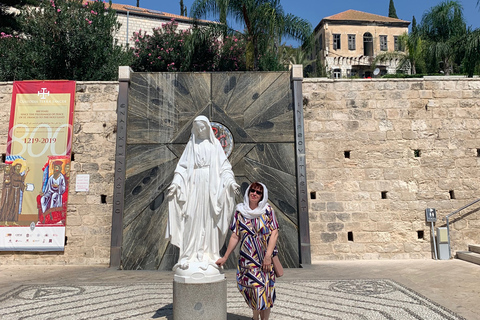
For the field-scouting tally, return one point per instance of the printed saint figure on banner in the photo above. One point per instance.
(14, 175)
(52, 198)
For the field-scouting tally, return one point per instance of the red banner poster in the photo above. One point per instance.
(34, 194)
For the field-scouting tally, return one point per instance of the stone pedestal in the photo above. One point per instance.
(200, 301)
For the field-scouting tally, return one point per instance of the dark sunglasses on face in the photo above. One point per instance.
(256, 191)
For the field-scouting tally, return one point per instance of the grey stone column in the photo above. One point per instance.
(120, 158)
(302, 192)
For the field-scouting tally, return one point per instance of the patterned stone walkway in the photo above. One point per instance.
(360, 299)
(343, 290)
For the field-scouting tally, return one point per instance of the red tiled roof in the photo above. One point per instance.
(132, 9)
(360, 16)
(354, 15)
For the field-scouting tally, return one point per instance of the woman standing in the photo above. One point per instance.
(256, 228)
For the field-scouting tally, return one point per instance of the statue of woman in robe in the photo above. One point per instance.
(201, 199)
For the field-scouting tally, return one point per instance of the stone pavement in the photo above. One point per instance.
(404, 289)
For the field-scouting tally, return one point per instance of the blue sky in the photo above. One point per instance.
(315, 10)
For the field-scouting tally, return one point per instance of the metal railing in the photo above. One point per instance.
(448, 223)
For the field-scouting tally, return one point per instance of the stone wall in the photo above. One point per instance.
(379, 152)
(414, 141)
(88, 218)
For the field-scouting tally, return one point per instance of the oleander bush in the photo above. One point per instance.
(63, 39)
(196, 49)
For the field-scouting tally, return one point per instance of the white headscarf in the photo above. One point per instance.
(244, 207)
(211, 135)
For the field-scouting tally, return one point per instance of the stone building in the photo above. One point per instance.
(347, 43)
(133, 19)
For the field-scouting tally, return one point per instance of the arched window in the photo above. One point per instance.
(367, 44)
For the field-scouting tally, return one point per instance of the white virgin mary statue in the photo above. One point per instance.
(201, 199)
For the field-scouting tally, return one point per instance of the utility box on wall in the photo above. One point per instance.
(443, 246)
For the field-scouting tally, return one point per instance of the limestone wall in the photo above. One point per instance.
(417, 141)
(381, 151)
(88, 219)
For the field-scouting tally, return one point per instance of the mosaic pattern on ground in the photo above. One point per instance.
(316, 299)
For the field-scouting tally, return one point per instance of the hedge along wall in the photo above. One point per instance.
(379, 152)
(88, 218)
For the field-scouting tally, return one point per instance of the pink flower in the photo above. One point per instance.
(58, 10)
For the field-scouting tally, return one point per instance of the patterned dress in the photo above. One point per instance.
(256, 286)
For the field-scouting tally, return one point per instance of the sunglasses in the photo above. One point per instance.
(256, 191)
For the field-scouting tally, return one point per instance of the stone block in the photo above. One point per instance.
(335, 227)
(318, 206)
(328, 217)
(104, 106)
(335, 206)
(425, 94)
(328, 237)
(343, 216)
(200, 301)
(341, 248)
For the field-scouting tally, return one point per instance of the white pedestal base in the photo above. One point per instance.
(200, 301)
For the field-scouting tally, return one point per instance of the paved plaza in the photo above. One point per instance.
(405, 289)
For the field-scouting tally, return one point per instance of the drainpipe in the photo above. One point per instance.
(126, 35)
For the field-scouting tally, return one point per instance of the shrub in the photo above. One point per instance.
(197, 49)
(64, 39)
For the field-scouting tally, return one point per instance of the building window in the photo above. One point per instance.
(351, 42)
(383, 43)
(337, 73)
(397, 44)
(336, 42)
(367, 44)
(320, 43)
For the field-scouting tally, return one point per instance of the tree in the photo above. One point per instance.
(290, 56)
(183, 9)
(265, 24)
(216, 7)
(392, 13)
(410, 57)
(444, 32)
(414, 25)
(63, 39)
(472, 54)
